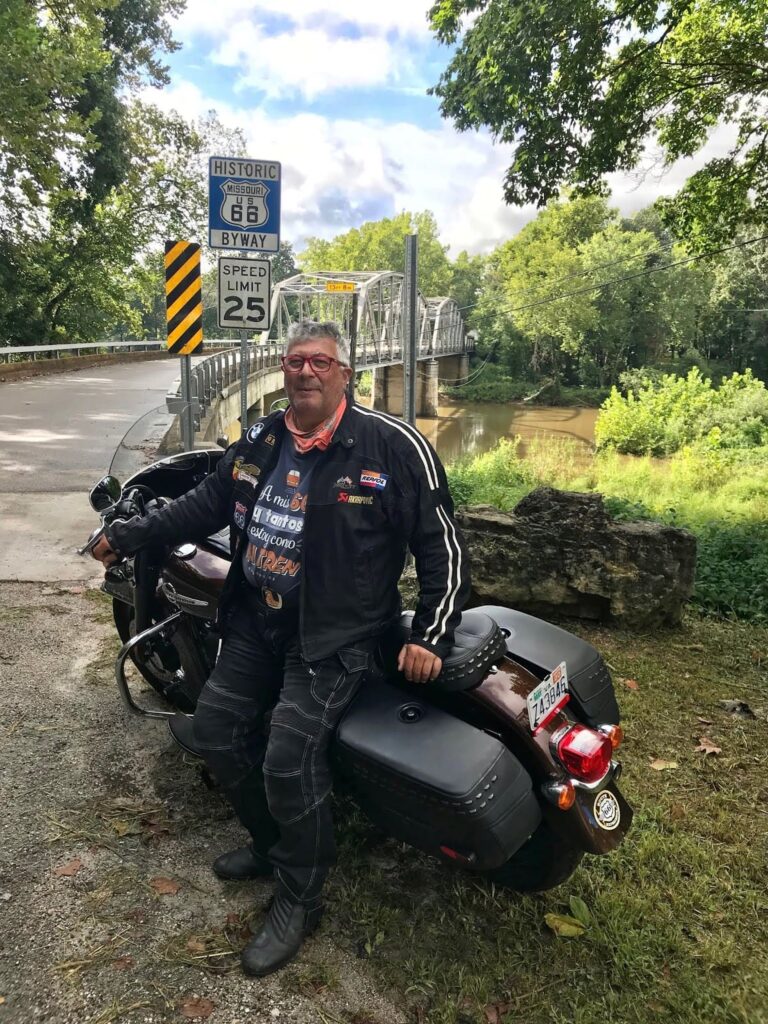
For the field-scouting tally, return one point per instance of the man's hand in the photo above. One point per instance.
(102, 552)
(417, 664)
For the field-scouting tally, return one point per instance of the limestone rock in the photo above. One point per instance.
(559, 552)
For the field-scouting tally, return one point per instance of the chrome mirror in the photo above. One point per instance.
(106, 492)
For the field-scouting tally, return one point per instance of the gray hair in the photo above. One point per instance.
(305, 330)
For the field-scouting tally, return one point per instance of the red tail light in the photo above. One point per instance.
(584, 753)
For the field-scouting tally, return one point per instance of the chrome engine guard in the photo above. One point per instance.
(122, 682)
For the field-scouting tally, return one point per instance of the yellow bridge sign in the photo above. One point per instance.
(183, 298)
(339, 286)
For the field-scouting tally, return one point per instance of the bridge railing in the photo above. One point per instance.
(212, 376)
(7, 352)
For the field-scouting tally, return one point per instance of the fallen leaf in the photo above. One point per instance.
(737, 707)
(660, 766)
(677, 812)
(195, 945)
(124, 828)
(495, 1012)
(196, 1008)
(69, 869)
(564, 925)
(580, 910)
(165, 886)
(707, 746)
(704, 721)
(123, 963)
(631, 684)
(2, 1000)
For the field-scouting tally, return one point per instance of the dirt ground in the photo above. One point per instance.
(108, 908)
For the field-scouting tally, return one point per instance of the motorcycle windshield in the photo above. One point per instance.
(155, 437)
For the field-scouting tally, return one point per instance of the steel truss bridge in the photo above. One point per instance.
(380, 309)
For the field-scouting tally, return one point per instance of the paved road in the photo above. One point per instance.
(57, 437)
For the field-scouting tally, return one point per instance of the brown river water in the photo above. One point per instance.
(470, 429)
(466, 428)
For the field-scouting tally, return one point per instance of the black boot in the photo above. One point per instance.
(242, 864)
(281, 937)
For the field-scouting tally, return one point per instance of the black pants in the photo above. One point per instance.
(277, 775)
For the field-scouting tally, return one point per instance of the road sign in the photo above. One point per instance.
(245, 291)
(183, 298)
(244, 204)
(339, 286)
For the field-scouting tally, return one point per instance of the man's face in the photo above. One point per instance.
(314, 396)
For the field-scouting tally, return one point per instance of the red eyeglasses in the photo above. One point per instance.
(318, 362)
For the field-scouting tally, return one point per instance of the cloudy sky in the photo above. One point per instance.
(339, 96)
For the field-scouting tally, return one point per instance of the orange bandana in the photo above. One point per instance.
(321, 436)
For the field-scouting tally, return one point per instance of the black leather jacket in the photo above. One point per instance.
(355, 537)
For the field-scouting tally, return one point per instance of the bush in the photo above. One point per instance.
(659, 417)
(732, 569)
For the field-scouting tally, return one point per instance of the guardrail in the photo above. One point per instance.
(7, 351)
(219, 371)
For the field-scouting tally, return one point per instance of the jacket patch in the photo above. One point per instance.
(370, 478)
(355, 499)
(245, 471)
(254, 431)
(240, 513)
(346, 483)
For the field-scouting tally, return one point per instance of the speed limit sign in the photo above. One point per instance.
(245, 291)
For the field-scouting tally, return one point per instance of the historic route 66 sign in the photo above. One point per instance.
(244, 204)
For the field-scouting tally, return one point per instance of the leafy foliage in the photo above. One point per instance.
(658, 417)
(380, 245)
(579, 89)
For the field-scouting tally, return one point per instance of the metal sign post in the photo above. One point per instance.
(410, 327)
(184, 311)
(353, 343)
(336, 287)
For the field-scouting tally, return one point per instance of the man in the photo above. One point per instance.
(322, 502)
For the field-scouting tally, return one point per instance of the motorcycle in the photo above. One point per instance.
(505, 765)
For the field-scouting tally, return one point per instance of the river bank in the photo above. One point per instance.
(111, 913)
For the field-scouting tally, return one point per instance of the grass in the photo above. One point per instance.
(678, 927)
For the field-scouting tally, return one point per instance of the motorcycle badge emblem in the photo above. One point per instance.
(243, 205)
(344, 483)
(607, 810)
(254, 431)
(239, 516)
(371, 478)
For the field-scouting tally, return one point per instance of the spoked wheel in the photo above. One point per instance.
(162, 668)
(543, 862)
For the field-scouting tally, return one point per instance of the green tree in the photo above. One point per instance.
(467, 282)
(580, 88)
(380, 245)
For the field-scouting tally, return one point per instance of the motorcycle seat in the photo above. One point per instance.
(478, 644)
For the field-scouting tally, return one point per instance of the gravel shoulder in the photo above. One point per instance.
(109, 909)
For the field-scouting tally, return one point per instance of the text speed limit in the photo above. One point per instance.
(245, 291)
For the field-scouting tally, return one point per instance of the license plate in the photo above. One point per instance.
(549, 696)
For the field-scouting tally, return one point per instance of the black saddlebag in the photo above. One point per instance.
(540, 647)
(432, 780)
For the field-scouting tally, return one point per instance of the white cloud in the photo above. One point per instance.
(404, 17)
(307, 61)
(339, 172)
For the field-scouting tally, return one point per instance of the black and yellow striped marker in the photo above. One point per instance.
(183, 298)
